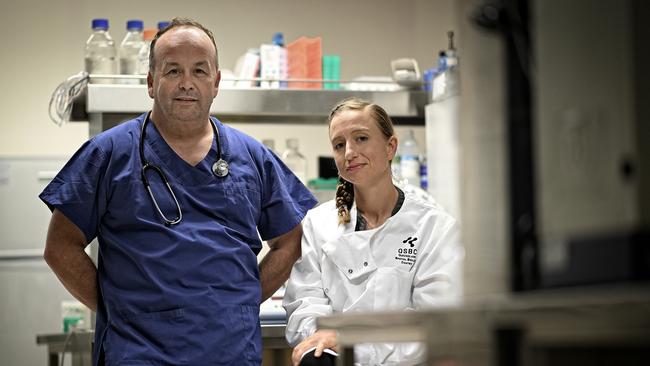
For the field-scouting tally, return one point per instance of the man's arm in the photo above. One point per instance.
(277, 263)
(64, 253)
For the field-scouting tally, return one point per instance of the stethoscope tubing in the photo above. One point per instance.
(219, 168)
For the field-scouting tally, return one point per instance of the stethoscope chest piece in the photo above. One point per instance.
(220, 168)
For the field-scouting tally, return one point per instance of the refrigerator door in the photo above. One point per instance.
(30, 304)
(30, 294)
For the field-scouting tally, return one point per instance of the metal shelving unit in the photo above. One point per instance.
(105, 105)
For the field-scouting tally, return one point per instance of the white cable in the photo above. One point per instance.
(64, 95)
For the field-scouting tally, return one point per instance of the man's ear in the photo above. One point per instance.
(216, 83)
(150, 84)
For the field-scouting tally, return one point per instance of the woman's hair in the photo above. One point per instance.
(345, 189)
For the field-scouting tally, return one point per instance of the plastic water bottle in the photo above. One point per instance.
(129, 50)
(295, 160)
(100, 52)
(409, 160)
(143, 54)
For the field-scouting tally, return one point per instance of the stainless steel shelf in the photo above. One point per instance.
(254, 104)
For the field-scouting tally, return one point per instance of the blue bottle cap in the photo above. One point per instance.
(100, 23)
(163, 24)
(278, 39)
(134, 24)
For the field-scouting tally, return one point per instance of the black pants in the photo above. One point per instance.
(325, 359)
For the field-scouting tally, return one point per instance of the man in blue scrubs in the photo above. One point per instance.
(170, 292)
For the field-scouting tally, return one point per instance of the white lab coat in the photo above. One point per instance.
(410, 262)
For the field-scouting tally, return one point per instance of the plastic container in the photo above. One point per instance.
(278, 40)
(100, 53)
(410, 160)
(129, 50)
(75, 316)
(331, 71)
(163, 24)
(424, 177)
(143, 54)
(295, 160)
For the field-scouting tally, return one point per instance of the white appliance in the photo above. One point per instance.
(30, 294)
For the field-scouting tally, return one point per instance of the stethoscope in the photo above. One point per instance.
(219, 169)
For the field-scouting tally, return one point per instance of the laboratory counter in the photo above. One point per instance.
(79, 344)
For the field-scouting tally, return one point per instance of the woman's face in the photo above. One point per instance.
(361, 151)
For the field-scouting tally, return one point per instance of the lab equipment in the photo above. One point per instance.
(60, 107)
(100, 53)
(446, 83)
(331, 71)
(247, 68)
(163, 24)
(273, 63)
(304, 60)
(219, 168)
(75, 316)
(271, 58)
(442, 133)
(130, 49)
(295, 160)
(406, 72)
(143, 55)
(409, 160)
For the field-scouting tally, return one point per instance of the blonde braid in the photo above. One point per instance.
(344, 200)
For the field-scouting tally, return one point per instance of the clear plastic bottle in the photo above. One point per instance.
(100, 52)
(410, 162)
(143, 54)
(129, 50)
(295, 160)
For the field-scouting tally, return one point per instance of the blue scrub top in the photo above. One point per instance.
(188, 293)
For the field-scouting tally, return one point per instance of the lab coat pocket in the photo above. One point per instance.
(393, 288)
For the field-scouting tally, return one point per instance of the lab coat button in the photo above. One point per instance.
(365, 264)
(350, 271)
(327, 290)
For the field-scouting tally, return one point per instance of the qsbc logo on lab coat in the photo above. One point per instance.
(406, 254)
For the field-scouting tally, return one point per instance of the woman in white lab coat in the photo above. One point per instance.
(373, 248)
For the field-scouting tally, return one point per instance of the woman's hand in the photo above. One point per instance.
(322, 339)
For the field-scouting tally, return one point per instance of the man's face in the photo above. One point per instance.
(185, 79)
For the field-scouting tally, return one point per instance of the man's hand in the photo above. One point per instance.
(322, 340)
